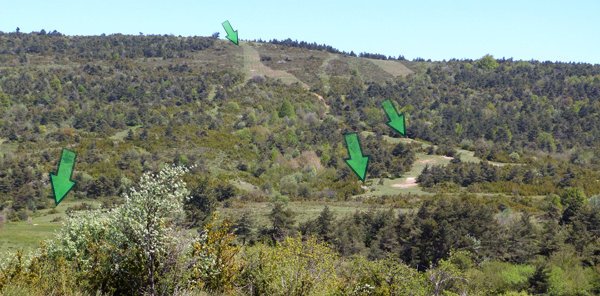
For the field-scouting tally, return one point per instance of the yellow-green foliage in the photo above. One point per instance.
(522, 293)
(501, 277)
(566, 276)
(389, 276)
(455, 275)
(292, 267)
(487, 62)
(38, 276)
(216, 261)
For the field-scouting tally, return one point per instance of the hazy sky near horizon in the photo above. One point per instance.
(526, 29)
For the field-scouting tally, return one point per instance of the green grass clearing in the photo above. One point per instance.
(27, 235)
(120, 136)
(253, 66)
(395, 68)
(305, 210)
(407, 184)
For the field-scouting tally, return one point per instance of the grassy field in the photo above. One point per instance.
(253, 66)
(16, 236)
(120, 136)
(395, 68)
(305, 210)
(26, 235)
(314, 66)
(407, 184)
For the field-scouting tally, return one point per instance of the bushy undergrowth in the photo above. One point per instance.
(141, 248)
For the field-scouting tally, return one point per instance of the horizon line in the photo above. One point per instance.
(343, 52)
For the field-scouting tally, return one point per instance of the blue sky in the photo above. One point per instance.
(526, 29)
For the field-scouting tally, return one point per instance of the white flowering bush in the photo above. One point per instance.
(127, 250)
(151, 208)
(78, 233)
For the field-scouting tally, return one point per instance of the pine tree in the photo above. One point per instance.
(573, 200)
(524, 240)
(130, 136)
(201, 203)
(538, 283)
(287, 110)
(243, 227)
(282, 222)
(325, 224)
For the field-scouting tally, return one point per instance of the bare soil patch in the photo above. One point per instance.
(406, 183)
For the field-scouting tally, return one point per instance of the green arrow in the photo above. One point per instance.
(61, 181)
(231, 34)
(356, 161)
(396, 120)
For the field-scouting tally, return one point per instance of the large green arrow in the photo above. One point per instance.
(396, 120)
(356, 160)
(61, 181)
(231, 34)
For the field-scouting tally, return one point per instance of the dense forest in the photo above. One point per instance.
(171, 132)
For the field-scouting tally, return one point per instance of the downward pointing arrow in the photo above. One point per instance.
(396, 121)
(61, 181)
(356, 161)
(231, 34)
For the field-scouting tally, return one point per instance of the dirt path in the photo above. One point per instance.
(326, 61)
(410, 177)
(406, 183)
(253, 66)
(322, 100)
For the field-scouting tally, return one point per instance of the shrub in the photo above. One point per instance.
(216, 265)
(502, 277)
(381, 277)
(22, 215)
(292, 267)
(566, 276)
(129, 249)
(36, 275)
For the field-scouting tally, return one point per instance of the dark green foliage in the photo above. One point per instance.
(532, 179)
(322, 227)
(572, 200)
(460, 173)
(205, 196)
(282, 222)
(108, 47)
(387, 160)
(506, 105)
(287, 110)
(129, 104)
(446, 150)
(243, 227)
(518, 240)
(584, 234)
(325, 225)
(201, 204)
(457, 223)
